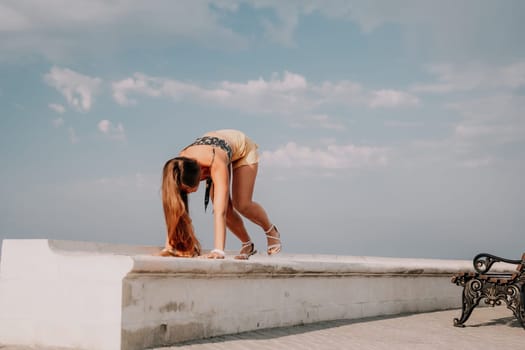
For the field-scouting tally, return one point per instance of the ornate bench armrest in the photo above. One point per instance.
(483, 262)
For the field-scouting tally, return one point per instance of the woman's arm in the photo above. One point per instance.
(221, 194)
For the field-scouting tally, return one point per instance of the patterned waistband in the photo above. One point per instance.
(215, 142)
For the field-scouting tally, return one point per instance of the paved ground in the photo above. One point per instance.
(488, 328)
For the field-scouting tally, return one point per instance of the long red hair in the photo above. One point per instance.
(181, 235)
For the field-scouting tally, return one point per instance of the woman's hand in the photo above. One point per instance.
(170, 252)
(215, 254)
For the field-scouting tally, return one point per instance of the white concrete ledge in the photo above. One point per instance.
(101, 296)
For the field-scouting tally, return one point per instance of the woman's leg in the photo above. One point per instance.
(243, 183)
(235, 224)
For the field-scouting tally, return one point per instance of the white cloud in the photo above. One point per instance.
(125, 183)
(282, 29)
(513, 75)
(11, 20)
(78, 89)
(473, 76)
(54, 30)
(491, 120)
(468, 131)
(288, 94)
(58, 122)
(344, 92)
(121, 89)
(57, 108)
(445, 28)
(73, 138)
(115, 132)
(451, 152)
(318, 121)
(261, 95)
(137, 181)
(477, 163)
(331, 156)
(289, 82)
(490, 131)
(402, 124)
(392, 98)
(283, 95)
(354, 94)
(103, 126)
(141, 84)
(488, 108)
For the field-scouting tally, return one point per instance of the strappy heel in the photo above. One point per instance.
(246, 256)
(276, 247)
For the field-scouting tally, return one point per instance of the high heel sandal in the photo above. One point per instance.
(276, 247)
(246, 256)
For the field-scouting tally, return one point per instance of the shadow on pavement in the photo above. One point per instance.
(273, 333)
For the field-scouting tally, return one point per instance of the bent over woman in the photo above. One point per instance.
(210, 158)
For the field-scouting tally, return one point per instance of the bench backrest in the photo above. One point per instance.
(483, 262)
(521, 266)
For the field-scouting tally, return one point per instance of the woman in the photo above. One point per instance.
(210, 158)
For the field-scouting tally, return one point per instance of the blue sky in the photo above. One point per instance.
(387, 128)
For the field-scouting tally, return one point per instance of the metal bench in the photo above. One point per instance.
(492, 287)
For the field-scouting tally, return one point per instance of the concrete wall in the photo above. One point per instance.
(99, 296)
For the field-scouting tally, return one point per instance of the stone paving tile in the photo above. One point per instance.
(488, 328)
